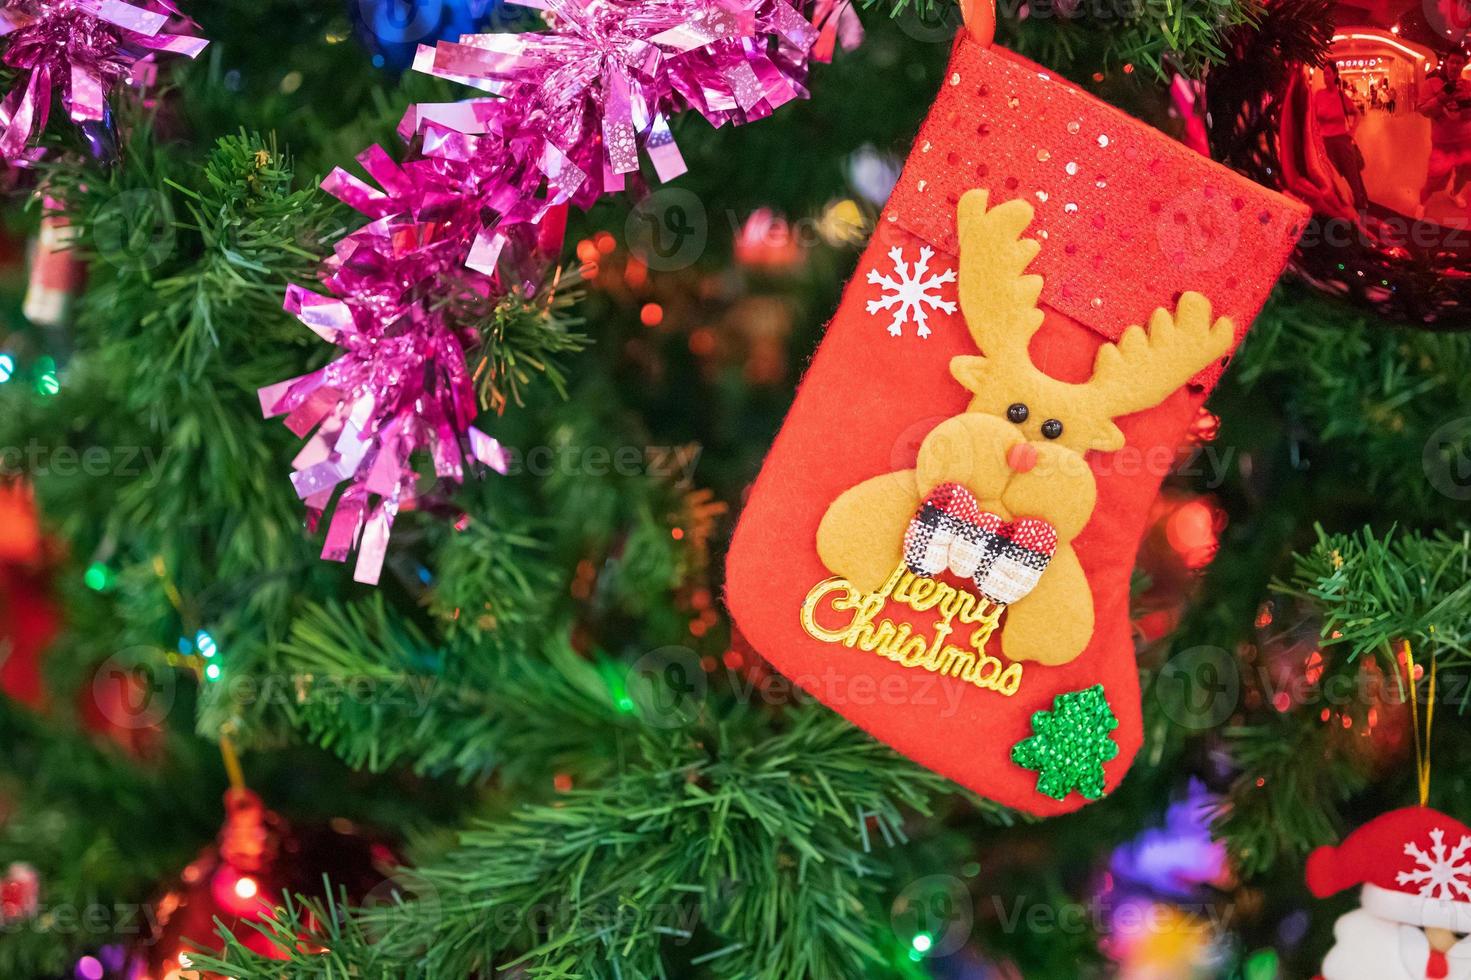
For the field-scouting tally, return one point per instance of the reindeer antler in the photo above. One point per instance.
(1141, 370)
(998, 299)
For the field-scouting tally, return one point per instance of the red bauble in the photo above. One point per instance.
(20, 893)
(1376, 137)
(255, 863)
(127, 707)
(28, 616)
(1183, 536)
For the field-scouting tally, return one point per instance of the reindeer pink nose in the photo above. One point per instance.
(1022, 457)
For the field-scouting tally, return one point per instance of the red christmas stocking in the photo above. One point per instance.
(940, 542)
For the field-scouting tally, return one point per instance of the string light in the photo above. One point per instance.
(7, 368)
(1262, 965)
(921, 944)
(842, 223)
(47, 380)
(618, 689)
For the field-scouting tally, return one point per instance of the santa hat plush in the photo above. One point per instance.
(1414, 864)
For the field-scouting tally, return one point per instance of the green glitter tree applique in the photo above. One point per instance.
(1070, 744)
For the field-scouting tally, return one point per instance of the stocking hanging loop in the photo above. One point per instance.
(980, 20)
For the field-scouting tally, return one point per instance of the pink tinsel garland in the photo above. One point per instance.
(81, 48)
(480, 203)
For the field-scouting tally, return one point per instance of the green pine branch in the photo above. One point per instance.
(1295, 776)
(1377, 592)
(731, 855)
(1162, 36)
(1371, 401)
(1372, 593)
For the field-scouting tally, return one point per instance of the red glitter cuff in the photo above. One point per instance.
(1128, 218)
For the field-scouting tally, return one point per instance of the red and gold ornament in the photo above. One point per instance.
(257, 860)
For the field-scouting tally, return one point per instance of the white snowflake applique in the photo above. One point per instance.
(1440, 873)
(908, 291)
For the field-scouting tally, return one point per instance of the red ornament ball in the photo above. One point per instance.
(20, 893)
(257, 860)
(1363, 111)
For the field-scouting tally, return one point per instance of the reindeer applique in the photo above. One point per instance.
(1000, 491)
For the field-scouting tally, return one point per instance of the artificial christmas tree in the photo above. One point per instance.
(585, 769)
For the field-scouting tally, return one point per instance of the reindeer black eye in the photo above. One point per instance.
(1052, 428)
(1017, 413)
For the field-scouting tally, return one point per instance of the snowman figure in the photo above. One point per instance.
(1415, 904)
